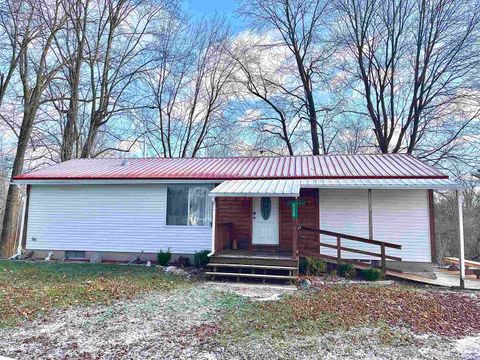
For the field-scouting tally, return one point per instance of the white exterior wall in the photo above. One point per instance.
(117, 218)
(399, 216)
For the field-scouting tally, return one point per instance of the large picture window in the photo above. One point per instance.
(189, 205)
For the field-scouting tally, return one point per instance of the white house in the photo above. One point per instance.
(293, 205)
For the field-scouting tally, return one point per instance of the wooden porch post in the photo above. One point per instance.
(339, 250)
(370, 215)
(384, 263)
(295, 236)
(461, 237)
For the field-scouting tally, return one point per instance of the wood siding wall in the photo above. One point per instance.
(235, 211)
(308, 215)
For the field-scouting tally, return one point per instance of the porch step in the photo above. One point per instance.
(253, 267)
(256, 260)
(248, 266)
(260, 276)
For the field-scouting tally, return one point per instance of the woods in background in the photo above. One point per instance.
(94, 78)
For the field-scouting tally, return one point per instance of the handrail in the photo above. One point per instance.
(351, 237)
(383, 244)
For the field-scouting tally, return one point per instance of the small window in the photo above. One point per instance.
(189, 206)
(74, 254)
(177, 206)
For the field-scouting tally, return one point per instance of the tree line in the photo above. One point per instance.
(93, 78)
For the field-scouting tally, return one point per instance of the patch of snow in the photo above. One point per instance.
(469, 347)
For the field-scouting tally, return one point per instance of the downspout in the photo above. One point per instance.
(461, 237)
(214, 220)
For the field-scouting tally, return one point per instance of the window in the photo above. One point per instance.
(188, 205)
(74, 254)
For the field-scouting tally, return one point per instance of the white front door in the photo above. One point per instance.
(265, 223)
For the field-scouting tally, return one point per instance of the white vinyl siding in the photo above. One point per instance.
(399, 216)
(117, 218)
(344, 211)
(402, 217)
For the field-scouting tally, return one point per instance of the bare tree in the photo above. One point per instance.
(36, 70)
(446, 223)
(188, 88)
(15, 36)
(106, 47)
(279, 108)
(413, 63)
(71, 43)
(299, 24)
(116, 60)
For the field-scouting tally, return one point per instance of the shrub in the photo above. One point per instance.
(372, 274)
(163, 257)
(346, 270)
(303, 266)
(315, 266)
(182, 261)
(201, 258)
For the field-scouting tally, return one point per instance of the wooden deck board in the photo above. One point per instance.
(253, 266)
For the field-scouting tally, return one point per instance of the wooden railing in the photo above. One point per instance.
(339, 236)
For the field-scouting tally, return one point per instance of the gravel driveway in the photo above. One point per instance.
(182, 325)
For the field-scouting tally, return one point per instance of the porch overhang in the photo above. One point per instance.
(397, 184)
(258, 188)
(291, 187)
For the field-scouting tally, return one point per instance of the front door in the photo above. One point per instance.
(265, 221)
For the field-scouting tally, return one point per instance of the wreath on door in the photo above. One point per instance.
(266, 207)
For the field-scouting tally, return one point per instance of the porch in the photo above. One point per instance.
(294, 206)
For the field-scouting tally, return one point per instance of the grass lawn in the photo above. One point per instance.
(177, 318)
(337, 307)
(30, 289)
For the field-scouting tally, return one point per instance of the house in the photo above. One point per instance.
(268, 207)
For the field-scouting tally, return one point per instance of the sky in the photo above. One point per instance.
(201, 8)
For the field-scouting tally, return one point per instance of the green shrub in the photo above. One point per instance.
(372, 274)
(303, 266)
(163, 257)
(315, 266)
(346, 270)
(201, 258)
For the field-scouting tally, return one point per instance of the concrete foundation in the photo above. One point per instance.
(107, 256)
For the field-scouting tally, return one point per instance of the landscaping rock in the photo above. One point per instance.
(97, 258)
(305, 284)
(176, 271)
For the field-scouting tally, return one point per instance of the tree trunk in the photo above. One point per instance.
(7, 240)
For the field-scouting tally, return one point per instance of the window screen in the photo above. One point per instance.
(177, 206)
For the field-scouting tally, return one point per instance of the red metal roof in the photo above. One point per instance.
(392, 166)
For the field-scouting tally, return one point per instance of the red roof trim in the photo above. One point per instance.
(20, 177)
